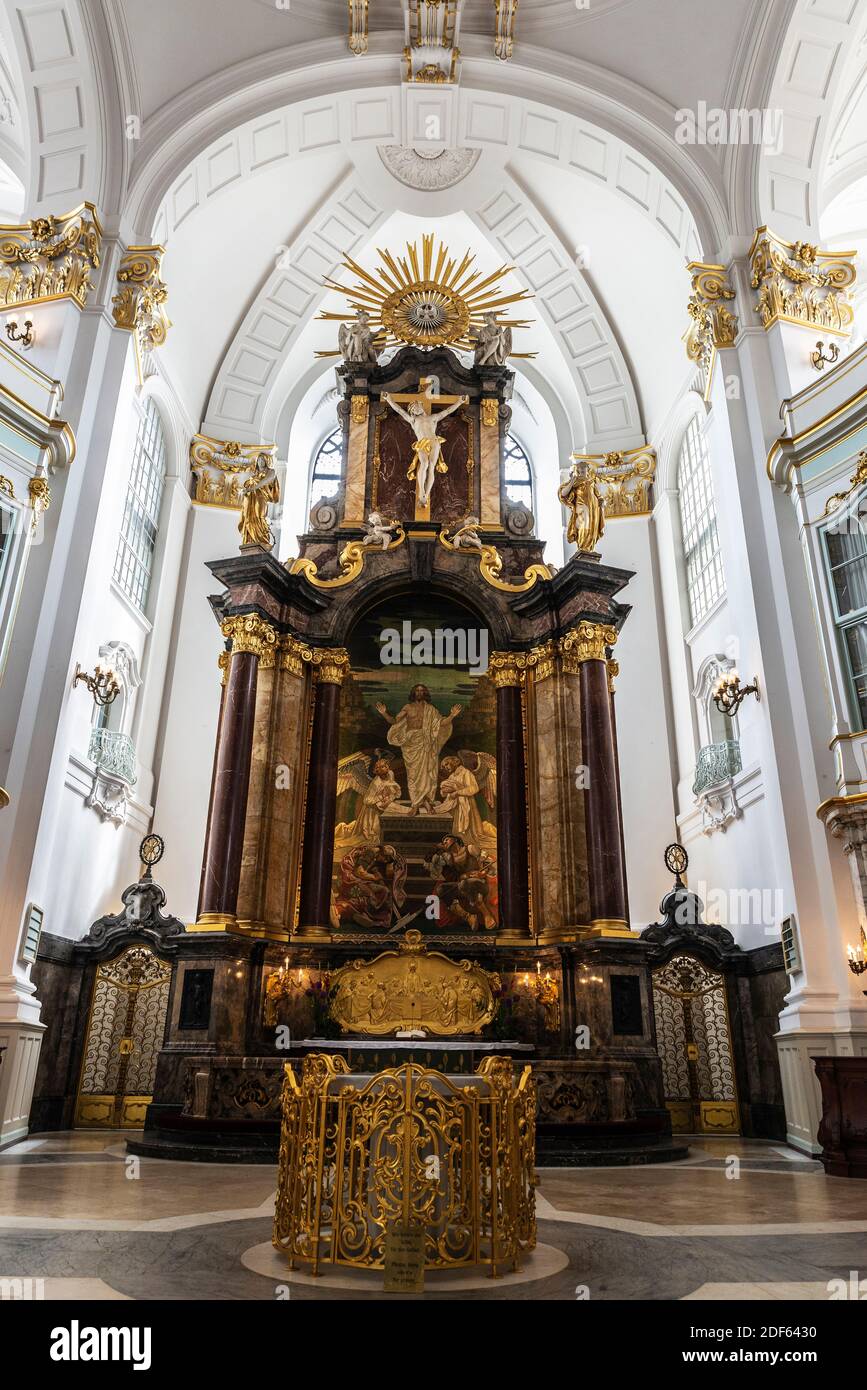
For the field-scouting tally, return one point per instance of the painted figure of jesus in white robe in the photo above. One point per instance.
(420, 731)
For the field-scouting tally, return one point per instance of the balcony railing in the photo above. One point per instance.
(717, 763)
(113, 754)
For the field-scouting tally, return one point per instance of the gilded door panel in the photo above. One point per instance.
(124, 1036)
(695, 1047)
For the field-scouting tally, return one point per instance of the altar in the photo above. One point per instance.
(405, 702)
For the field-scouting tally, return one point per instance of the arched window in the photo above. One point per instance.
(519, 474)
(326, 469)
(141, 514)
(705, 581)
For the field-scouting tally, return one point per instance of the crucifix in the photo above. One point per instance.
(427, 458)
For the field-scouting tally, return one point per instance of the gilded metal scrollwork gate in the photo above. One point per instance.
(695, 1044)
(124, 1036)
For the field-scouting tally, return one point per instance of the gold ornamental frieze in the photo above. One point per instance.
(50, 258)
(413, 988)
(624, 479)
(220, 468)
(798, 283)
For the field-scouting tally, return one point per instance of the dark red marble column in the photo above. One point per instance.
(224, 840)
(317, 863)
(513, 885)
(606, 862)
(225, 661)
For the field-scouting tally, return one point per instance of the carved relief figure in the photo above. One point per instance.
(420, 731)
(581, 494)
(260, 488)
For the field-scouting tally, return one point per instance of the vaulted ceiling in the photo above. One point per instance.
(244, 136)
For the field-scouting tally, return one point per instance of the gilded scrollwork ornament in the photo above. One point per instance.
(799, 283)
(491, 564)
(351, 562)
(50, 258)
(139, 305)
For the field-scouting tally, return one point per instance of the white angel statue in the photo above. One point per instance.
(493, 342)
(356, 340)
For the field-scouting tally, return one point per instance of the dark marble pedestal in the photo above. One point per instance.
(843, 1130)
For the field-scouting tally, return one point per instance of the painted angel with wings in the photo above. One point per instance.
(378, 792)
(462, 778)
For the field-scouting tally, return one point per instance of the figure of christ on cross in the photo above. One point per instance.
(427, 451)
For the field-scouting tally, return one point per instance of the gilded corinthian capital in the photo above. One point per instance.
(250, 633)
(139, 305)
(50, 258)
(713, 326)
(798, 283)
(586, 642)
(330, 665)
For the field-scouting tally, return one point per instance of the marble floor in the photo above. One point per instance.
(737, 1219)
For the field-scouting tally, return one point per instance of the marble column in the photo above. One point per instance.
(317, 861)
(251, 637)
(585, 649)
(513, 881)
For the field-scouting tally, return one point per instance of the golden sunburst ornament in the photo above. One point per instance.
(426, 299)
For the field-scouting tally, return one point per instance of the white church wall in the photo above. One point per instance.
(642, 720)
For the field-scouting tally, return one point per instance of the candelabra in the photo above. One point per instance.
(103, 684)
(858, 957)
(545, 991)
(729, 694)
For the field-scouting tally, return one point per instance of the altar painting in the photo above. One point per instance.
(415, 838)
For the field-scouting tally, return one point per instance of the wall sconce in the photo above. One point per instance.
(819, 359)
(103, 685)
(729, 694)
(24, 339)
(858, 957)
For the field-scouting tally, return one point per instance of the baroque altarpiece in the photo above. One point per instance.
(414, 846)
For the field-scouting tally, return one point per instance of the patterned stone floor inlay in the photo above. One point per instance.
(79, 1215)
